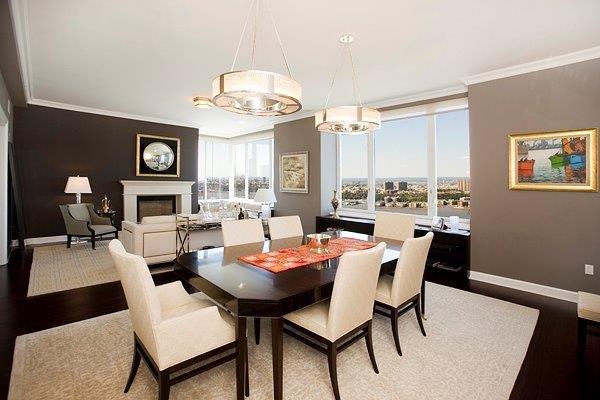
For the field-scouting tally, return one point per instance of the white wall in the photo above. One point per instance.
(3, 187)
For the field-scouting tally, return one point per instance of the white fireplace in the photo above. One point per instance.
(182, 190)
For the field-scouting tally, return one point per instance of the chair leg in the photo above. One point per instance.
(332, 360)
(93, 242)
(257, 330)
(418, 312)
(369, 340)
(247, 374)
(69, 238)
(135, 364)
(581, 337)
(394, 318)
(163, 385)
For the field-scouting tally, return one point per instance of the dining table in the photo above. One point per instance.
(247, 291)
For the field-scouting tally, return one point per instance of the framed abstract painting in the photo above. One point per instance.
(556, 161)
(293, 172)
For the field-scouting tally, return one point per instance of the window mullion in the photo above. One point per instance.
(431, 167)
(246, 170)
(371, 172)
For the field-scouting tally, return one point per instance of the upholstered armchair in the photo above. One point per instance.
(82, 221)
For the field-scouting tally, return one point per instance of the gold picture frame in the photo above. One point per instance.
(293, 172)
(554, 161)
(142, 169)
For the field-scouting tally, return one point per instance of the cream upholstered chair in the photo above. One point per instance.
(402, 292)
(239, 232)
(284, 227)
(394, 226)
(588, 314)
(347, 315)
(242, 231)
(172, 329)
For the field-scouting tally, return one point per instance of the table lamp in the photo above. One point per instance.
(266, 197)
(78, 185)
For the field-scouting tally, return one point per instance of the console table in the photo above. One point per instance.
(449, 253)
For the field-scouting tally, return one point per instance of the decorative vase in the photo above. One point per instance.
(335, 203)
(105, 204)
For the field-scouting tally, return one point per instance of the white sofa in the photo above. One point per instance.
(155, 238)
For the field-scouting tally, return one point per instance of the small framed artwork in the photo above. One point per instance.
(293, 172)
(557, 161)
(157, 156)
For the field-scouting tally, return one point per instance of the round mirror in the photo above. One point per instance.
(158, 156)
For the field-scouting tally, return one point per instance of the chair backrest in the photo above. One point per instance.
(394, 226)
(410, 268)
(242, 231)
(140, 292)
(80, 211)
(354, 289)
(284, 227)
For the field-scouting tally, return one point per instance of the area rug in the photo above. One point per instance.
(474, 348)
(56, 268)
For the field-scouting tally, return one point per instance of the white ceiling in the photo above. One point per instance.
(150, 57)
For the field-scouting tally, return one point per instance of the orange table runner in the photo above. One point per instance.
(295, 257)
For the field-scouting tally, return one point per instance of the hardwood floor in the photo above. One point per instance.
(550, 369)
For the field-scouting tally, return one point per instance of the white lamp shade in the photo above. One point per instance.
(78, 184)
(265, 196)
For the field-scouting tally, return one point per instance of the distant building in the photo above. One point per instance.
(402, 185)
(389, 186)
(464, 185)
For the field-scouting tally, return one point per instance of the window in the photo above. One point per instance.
(239, 178)
(354, 167)
(417, 163)
(453, 185)
(229, 170)
(217, 170)
(401, 166)
(259, 155)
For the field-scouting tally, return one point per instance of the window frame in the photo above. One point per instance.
(245, 140)
(429, 110)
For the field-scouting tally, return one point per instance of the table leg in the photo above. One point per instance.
(277, 348)
(240, 360)
(423, 299)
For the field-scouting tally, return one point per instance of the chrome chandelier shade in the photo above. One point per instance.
(256, 92)
(351, 120)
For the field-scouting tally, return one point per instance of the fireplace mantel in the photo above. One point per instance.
(182, 190)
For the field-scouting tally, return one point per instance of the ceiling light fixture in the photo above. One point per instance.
(353, 120)
(202, 102)
(256, 92)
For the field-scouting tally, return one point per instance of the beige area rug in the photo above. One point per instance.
(56, 268)
(474, 348)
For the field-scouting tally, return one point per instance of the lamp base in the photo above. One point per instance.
(265, 211)
(78, 198)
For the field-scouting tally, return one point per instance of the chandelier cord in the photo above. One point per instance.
(335, 71)
(254, 34)
(354, 80)
(237, 50)
(287, 65)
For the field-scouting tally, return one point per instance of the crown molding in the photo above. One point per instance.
(421, 96)
(540, 65)
(109, 113)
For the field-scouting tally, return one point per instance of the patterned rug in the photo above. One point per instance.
(474, 348)
(56, 268)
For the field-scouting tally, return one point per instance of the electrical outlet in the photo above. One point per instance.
(589, 269)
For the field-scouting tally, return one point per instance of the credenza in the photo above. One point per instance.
(450, 250)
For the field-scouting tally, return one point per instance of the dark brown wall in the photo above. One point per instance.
(52, 144)
(301, 135)
(541, 237)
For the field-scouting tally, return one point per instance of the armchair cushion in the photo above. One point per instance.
(103, 229)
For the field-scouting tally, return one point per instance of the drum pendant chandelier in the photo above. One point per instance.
(256, 92)
(352, 120)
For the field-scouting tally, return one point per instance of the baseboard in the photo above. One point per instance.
(46, 239)
(530, 287)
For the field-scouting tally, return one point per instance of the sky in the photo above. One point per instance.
(401, 148)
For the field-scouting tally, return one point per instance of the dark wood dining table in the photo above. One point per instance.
(248, 291)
